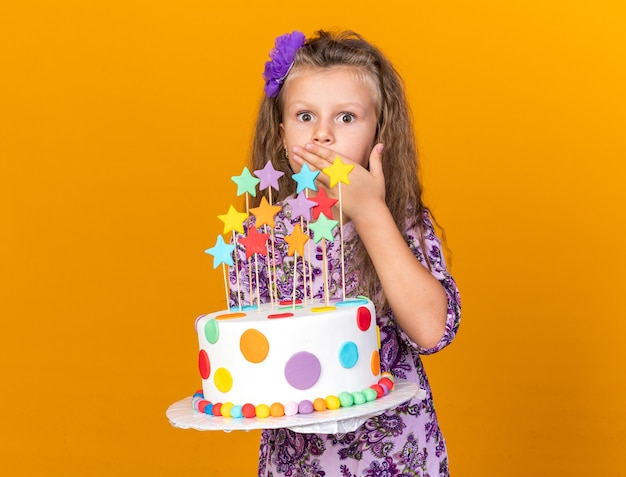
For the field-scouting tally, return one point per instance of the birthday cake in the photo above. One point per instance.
(285, 360)
(289, 356)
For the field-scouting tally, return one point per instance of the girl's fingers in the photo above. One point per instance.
(376, 160)
(316, 156)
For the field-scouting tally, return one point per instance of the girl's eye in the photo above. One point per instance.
(347, 118)
(305, 117)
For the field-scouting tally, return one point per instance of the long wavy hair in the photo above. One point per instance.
(403, 191)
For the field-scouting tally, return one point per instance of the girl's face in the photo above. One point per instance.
(331, 107)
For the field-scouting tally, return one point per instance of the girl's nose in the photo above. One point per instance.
(323, 134)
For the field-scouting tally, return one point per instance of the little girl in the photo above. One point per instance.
(336, 95)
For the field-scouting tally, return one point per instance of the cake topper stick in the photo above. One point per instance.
(305, 180)
(325, 262)
(343, 260)
(233, 221)
(246, 184)
(226, 290)
(255, 243)
(338, 173)
(323, 230)
(323, 212)
(234, 240)
(258, 288)
(269, 178)
(307, 278)
(296, 243)
(301, 207)
(222, 254)
(264, 214)
(274, 279)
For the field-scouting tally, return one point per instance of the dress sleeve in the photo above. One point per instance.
(440, 272)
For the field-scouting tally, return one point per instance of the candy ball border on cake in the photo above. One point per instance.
(345, 399)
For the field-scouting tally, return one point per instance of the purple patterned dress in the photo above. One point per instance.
(405, 441)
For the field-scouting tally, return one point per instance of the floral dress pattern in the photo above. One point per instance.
(405, 441)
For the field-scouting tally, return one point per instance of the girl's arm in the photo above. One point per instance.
(417, 299)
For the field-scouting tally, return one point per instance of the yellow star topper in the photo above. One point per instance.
(233, 220)
(296, 241)
(265, 213)
(338, 172)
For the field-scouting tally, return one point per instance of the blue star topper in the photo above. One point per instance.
(222, 252)
(305, 178)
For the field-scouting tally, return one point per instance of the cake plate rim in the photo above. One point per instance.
(346, 419)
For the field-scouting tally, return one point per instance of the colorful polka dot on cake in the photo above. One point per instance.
(375, 363)
(230, 316)
(223, 380)
(363, 318)
(302, 370)
(348, 354)
(211, 331)
(204, 364)
(254, 345)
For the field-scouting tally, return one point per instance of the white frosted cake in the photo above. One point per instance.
(287, 359)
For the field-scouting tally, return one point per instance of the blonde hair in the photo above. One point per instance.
(403, 192)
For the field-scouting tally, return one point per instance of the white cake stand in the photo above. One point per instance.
(346, 419)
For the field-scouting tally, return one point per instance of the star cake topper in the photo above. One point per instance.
(269, 176)
(233, 220)
(301, 206)
(324, 205)
(265, 213)
(323, 228)
(246, 182)
(338, 172)
(296, 241)
(222, 252)
(254, 242)
(305, 179)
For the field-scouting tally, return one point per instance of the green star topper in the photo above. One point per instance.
(246, 182)
(323, 228)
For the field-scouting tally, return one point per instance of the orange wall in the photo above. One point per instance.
(121, 124)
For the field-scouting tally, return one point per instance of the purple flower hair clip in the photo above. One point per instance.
(282, 56)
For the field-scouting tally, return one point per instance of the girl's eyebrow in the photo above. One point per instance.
(298, 104)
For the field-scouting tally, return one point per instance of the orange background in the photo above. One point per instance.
(121, 124)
